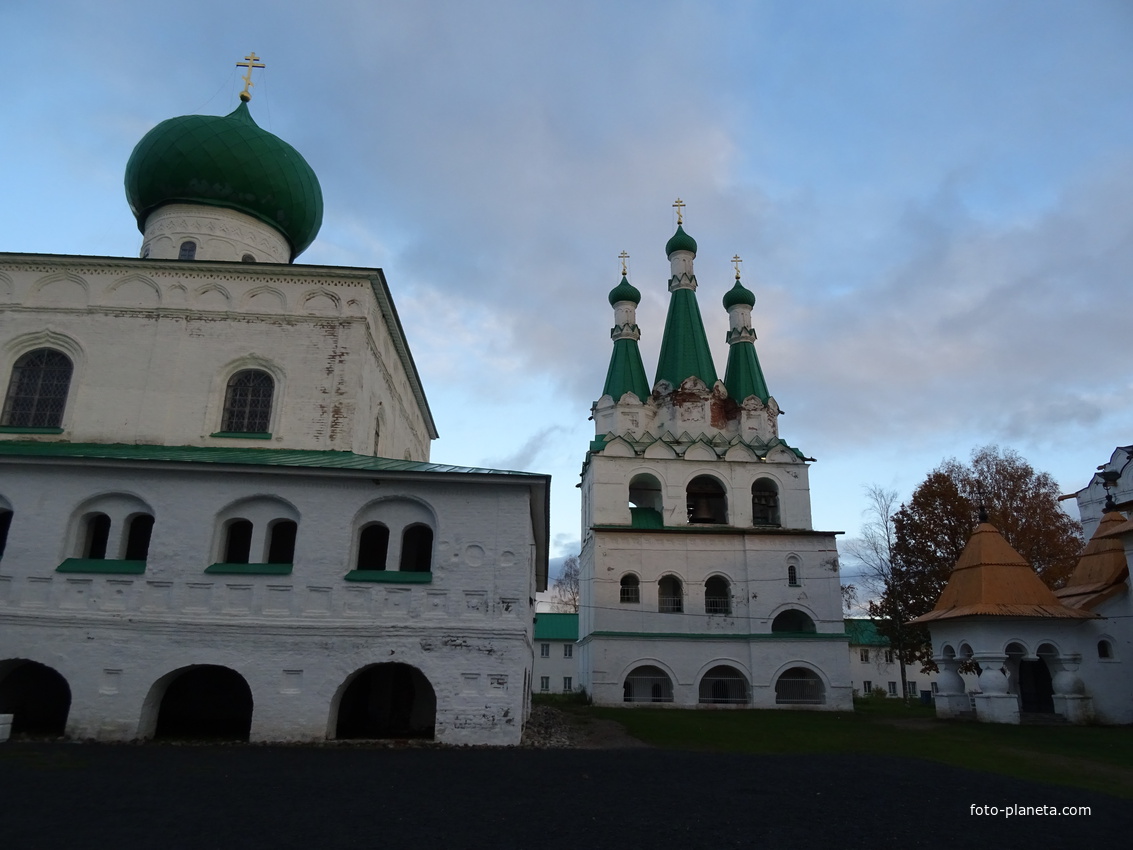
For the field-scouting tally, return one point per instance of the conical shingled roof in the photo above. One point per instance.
(992, 579)
(1102, 569)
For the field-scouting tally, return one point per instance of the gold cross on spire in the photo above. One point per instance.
(736, 262)
(623, 256)
(679, 204)
(250, 61)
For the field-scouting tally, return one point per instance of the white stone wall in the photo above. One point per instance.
(218, 234)
(154, 344)
(295, 638)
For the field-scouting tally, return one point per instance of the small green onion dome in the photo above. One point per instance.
(624, 291)
(226, 162)
(738, 294)
(680, 241)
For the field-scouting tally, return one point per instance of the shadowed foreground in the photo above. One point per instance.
(198, 797)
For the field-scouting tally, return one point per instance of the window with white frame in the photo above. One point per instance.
(889, 656)
(568, 685)
(544, 650)
(912, 686)
(568, 650)
(867, 687)
(892, 689)
(863, 654)
(544, 683)
(935, 690)
(247, 402)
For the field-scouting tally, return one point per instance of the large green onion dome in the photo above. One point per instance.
(680, 241)
(226, 162)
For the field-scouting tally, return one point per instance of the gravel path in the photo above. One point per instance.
(75, 796)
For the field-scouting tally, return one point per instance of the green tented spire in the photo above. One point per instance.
(684, 347)
(743, 377)
(626, 373)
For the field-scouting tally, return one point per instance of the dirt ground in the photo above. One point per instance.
(551, 728)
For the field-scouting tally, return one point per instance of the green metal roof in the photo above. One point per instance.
(556, 627)
(239, 456)
(743, 376)
(684, 347)
(864, 633)
(626, 373)
(226, 161)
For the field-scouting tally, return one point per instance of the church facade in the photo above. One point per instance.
(703, 581)
(217, 511)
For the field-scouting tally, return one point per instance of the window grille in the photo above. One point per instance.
(799, 686)
(723, 686)
(793, 575)
(247, 404)
(717, 596)
(647, 684)
(37, 392)
(630, 590)
(670, 604)
(187, 251)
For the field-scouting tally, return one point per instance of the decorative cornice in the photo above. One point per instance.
(684, 280)
(741, 335)
(626, 331)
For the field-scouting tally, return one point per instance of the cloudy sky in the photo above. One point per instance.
(933, 200)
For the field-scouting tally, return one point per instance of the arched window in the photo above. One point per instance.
(96, 537)
(139, 529)
(793, 620)
(706, 501)
(281, 541)
(764, 502)
(723, 685)
(647, 684)
(5, 524)
(630, 589)
(717, 596)
(373, 546)
(417, 549)
(670, 595)
(247, 258)
(645, 504)
(238, 542)
(247, 403)
(37, 392)
(1105, 649)
(792, 575)
(188, 250)
(799, 686)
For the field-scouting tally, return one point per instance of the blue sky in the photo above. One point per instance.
(932, 200)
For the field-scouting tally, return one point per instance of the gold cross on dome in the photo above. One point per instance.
(623, 256)
(679, 204)
(736, 262)
(250, 61)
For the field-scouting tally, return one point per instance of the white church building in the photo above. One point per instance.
(703, 580)
(218, 517)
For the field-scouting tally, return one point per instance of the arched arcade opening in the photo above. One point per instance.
(387, 701)
(205, 702)
(37, 697)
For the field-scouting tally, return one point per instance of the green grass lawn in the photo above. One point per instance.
(1095, 757)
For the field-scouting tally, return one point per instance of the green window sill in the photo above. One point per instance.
(19, 429)
(106, 566)
(249, 569)
(390, 577)
(242, 435)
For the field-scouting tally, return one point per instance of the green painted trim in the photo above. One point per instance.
(647, 518)
(249, 569)
(17, 429)
(106, 566)
(389, 577)
(243, 435)
(833, 636)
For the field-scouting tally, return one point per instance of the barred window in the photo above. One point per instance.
(37, 392)
(717, 596)
(723, 685)
(630, 589)
(247, 404)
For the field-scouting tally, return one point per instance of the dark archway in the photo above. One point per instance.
(388, 701)
(793, 620)
(37, 697)
(1036, 691)
(799, 686)
(206, 703)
